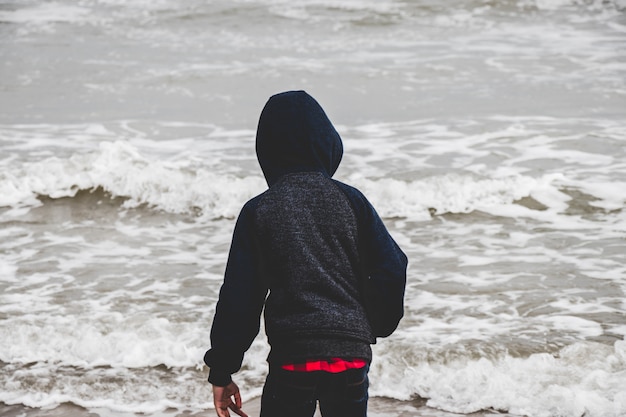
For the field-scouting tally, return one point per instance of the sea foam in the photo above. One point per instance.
(584, 378)
(122, 171)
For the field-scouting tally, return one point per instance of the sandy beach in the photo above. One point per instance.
(379, 407)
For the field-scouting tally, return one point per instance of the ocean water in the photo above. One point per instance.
(489, 134)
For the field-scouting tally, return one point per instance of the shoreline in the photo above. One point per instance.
(378, 407)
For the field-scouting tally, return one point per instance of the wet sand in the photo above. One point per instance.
(378, 407)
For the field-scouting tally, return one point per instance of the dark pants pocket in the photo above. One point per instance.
(288, 393)
(347, 396)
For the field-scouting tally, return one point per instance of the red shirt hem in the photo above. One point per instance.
(333, 365)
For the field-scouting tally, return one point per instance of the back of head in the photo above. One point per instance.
(295, 135)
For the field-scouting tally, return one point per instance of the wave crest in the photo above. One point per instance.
(178, 187)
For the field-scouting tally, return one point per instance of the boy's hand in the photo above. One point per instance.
(222, 398)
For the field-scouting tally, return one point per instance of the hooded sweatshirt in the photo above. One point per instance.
(303, 249)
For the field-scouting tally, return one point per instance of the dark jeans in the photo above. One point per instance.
(295, 394)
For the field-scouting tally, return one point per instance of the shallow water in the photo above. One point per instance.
(489, 135)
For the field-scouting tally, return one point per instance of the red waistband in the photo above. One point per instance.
(333, 365)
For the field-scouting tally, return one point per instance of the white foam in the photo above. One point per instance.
(7, 271)
(552, 4)
(92, 362)
(176, 187)
(584, 378)
(188, 186)
(119, 169)
(590, 5)
(608, 194)
(449, 193)
(103, 339)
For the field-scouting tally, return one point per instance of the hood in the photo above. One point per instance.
(295, 135)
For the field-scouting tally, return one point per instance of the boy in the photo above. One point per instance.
(334, 275)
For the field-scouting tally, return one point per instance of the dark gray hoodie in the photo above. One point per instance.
(303, 249)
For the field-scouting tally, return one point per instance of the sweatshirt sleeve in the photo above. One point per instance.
(241, 298)
(383, 266)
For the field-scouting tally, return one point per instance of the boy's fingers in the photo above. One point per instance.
(237, 410)
(238, 402)
(222, 412)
